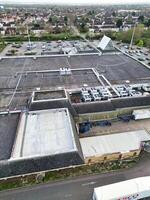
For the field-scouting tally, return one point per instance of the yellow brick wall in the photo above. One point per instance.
(112, 157)
(131, 154)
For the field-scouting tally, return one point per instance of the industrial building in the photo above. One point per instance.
(37, 134)
(113, 147)
(45, 139)
(44, 99)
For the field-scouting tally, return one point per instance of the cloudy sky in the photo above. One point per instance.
(76, 1)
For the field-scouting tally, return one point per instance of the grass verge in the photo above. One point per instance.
(63, 174)
(2, 46)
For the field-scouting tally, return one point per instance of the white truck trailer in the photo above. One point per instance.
(141, 114)
(138, 188)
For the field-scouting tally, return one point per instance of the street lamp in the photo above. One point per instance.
(132, 38)
(28, 37)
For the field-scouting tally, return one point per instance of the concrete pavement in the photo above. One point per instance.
(80, 188)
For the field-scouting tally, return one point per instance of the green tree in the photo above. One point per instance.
(133, 13)
(140, 43)
(114, 14)
(138, 32)
(83, 27)
(119, 23)
(126, 35)
(53, 19)
(50, 19)
(89, 13)
(36, 25)
(147, 23)
(147, 42)
(141, 18)
(66, 19)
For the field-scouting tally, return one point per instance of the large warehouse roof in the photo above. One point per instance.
(45, 132)
(108, 144)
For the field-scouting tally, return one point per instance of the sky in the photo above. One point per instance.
(76, 1)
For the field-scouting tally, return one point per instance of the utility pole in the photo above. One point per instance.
(132, 38)
(28, 37)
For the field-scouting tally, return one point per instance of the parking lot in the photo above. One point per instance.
(47, 48)
(140, 53)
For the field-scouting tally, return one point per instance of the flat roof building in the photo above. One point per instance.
(127, 144)
(41, 135)
(46, 132)
(44, 140)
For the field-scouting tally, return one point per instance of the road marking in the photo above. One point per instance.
(90, 183)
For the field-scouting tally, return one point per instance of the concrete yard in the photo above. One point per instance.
(119, 126)
(37, 134)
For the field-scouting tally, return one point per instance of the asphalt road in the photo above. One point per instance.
(77, 189)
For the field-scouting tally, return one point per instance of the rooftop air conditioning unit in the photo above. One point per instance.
(68, 71)
(38, 89)
(62, 71)
(87, 98)
(65, 71)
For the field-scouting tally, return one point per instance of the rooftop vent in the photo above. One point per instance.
(38, 89)
(65, 71)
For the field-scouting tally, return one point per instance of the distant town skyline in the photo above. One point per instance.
(74, 2)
